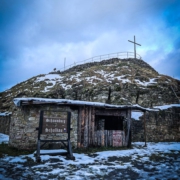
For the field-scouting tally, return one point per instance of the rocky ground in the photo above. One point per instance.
(156, 161)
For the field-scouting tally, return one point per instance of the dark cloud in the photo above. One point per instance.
(14, 16)
(173, 61)
(171, 14)
(37, 35)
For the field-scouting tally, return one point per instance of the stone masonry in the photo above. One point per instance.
(25, 120)
(161, 126)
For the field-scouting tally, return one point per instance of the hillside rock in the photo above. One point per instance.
(116, 81)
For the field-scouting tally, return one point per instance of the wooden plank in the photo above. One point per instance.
(102, 138)
(89, 127)
(79, 127)
(93, 124)
(82, 126)
(118, 138)
(123, 138)
(107, 112)
(106, 137)
(95, 138)
(86, 128)
(115, 138)
(99, 139)
(111, 137)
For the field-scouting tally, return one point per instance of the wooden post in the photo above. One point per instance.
(130, 127)
(128, 135)
(145, 129)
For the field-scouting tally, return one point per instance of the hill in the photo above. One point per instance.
(116, 81)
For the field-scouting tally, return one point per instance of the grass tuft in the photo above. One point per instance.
(10, 151)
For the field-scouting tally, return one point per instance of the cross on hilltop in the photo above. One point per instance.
(134, 42)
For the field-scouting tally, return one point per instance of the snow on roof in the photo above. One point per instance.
(167, 106)
(19, 101)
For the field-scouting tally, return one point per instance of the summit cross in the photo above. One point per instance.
(134, 42)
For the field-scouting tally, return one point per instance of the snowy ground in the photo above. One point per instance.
(4, 138)
(156, 161)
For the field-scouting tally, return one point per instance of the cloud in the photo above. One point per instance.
(36, 36)
(171, 62)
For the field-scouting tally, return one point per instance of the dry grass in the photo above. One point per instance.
(6, 150)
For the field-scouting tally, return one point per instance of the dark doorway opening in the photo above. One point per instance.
(109, 122)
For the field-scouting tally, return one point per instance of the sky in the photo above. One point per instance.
(38, 36)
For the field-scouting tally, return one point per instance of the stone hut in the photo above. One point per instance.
(92, 123)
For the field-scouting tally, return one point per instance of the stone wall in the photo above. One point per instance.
(160, 126)
(25, 120)
(4, 124)
(137, 131)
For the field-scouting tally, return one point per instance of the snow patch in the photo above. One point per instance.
(50, 77)
(4, 138)
(5, 113)
(136, 115)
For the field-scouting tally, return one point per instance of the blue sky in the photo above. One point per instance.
(36, 36)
